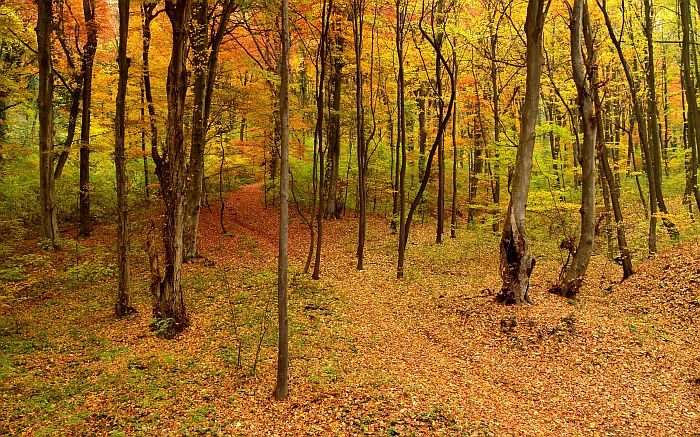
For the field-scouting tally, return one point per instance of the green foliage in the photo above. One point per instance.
(91, 271)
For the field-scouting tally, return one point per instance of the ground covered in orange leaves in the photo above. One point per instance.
(432, 354)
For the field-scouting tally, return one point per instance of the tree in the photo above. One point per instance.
(169, 308)
(333, 209)
(608, 177)
(429, 34)
(88, 59)
(123, 306)
(282, 387)
(693, 122)
(641, 127)
(516, 261)
(318, 132)
(571, 276)
(49, 221)
(203, 89)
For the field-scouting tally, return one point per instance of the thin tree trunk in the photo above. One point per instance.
(641, 127)
(282, 384)
(442, 125)
(333, 158)
(143, 143)
(516, 261)
(400, 35)
(653, 111)
(441, 108)
(221, 186)
(195, 172)
(88, 60)
(691, 97)
(322, 52)
(146, 17)
(358, 10)
(453, 219)
(123, 306)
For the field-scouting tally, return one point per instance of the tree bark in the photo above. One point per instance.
(88, 60)
(333, 159)
(195, 172)
(169, 309)
(49, 221)
(282, 385)
(123, 306)
(516, 261)
(691, 98)
(318, 134)
(571, 277)
(641, 127)
(453, 218)
(146, 17)
(653, 113)
(203, 90)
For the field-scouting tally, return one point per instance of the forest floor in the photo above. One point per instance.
(432, 354)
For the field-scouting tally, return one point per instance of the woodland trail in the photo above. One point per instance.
(434, 352)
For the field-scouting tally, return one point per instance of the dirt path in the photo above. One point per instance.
(445, 359)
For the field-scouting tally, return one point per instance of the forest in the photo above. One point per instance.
(349, 217)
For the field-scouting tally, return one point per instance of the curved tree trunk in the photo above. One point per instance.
(88, 61)
(641, 126)
(572, 275)
(169, 309)
(203, 90)
(516, 261)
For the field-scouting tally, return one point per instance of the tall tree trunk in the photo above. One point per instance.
(169, 309)
(282, 384)
(495, 102)
(442, 126)
(49, 221)
(691, 97)
(199, 39)
(516, 261)
(333, 158)
(123, 306)
(453, 218)
(571, 277)
(322, 54)
(400, 36)
(146, 17)
(88, 60)
(641, 127)
(203, 90)
(441, 108)
(358, 10)
(146, 189)
(653, 112)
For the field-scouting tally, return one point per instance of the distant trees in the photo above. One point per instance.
(410, 68)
